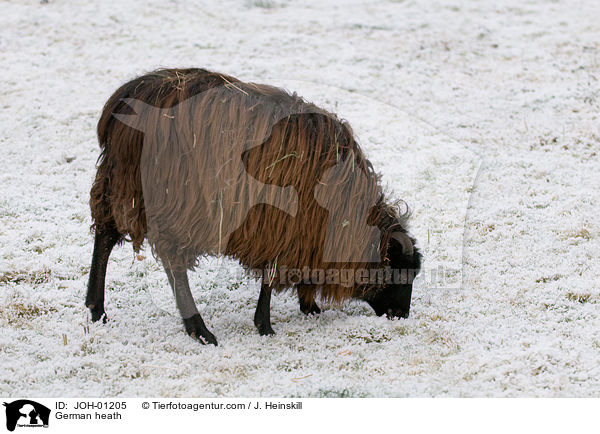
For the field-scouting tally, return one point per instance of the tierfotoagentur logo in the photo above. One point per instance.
(26, 414)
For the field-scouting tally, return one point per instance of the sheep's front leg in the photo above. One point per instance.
(306, 298)
(309, 308)
(193, 322)
(262, 316)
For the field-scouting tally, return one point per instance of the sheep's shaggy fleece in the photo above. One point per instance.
(436, 92)
(206, 164)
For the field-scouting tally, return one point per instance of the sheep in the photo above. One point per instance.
(201, 163)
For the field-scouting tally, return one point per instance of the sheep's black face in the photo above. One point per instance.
(393, 299)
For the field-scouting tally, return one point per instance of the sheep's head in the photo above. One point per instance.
(393, 299)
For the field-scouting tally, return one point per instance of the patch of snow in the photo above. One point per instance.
(482, 116)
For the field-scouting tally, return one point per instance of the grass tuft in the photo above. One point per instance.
(579, 297)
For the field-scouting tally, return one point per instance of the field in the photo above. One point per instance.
(482, 116)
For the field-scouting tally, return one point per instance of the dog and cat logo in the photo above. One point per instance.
(26, 413)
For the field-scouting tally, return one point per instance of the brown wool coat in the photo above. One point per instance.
(202, 163)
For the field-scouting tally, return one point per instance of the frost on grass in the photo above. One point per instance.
(436, 93)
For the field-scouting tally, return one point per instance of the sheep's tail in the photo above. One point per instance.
(116, 198)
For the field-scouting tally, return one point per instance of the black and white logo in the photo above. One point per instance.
(26, 413)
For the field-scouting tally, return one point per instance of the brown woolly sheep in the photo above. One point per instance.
(201, 163)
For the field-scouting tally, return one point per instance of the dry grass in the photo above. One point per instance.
(370, 336)
(548, 279)
(21, 313)
(579, 297)
(35, 277)
(577, 234)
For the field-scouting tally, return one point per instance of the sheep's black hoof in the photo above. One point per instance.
(396, 313)
(309, 308)
(264, 329)
(98, 313)
(195, 327)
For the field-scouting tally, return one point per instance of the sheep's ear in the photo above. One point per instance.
(405, 241)
(142, 112)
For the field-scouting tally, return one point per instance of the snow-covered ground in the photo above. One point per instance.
(483, 116)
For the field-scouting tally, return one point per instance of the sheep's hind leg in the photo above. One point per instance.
(262, 316)
(193, 322)
(104, 242)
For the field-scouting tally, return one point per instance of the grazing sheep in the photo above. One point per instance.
(201, 163)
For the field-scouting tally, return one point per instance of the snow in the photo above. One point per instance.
(483, 116)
